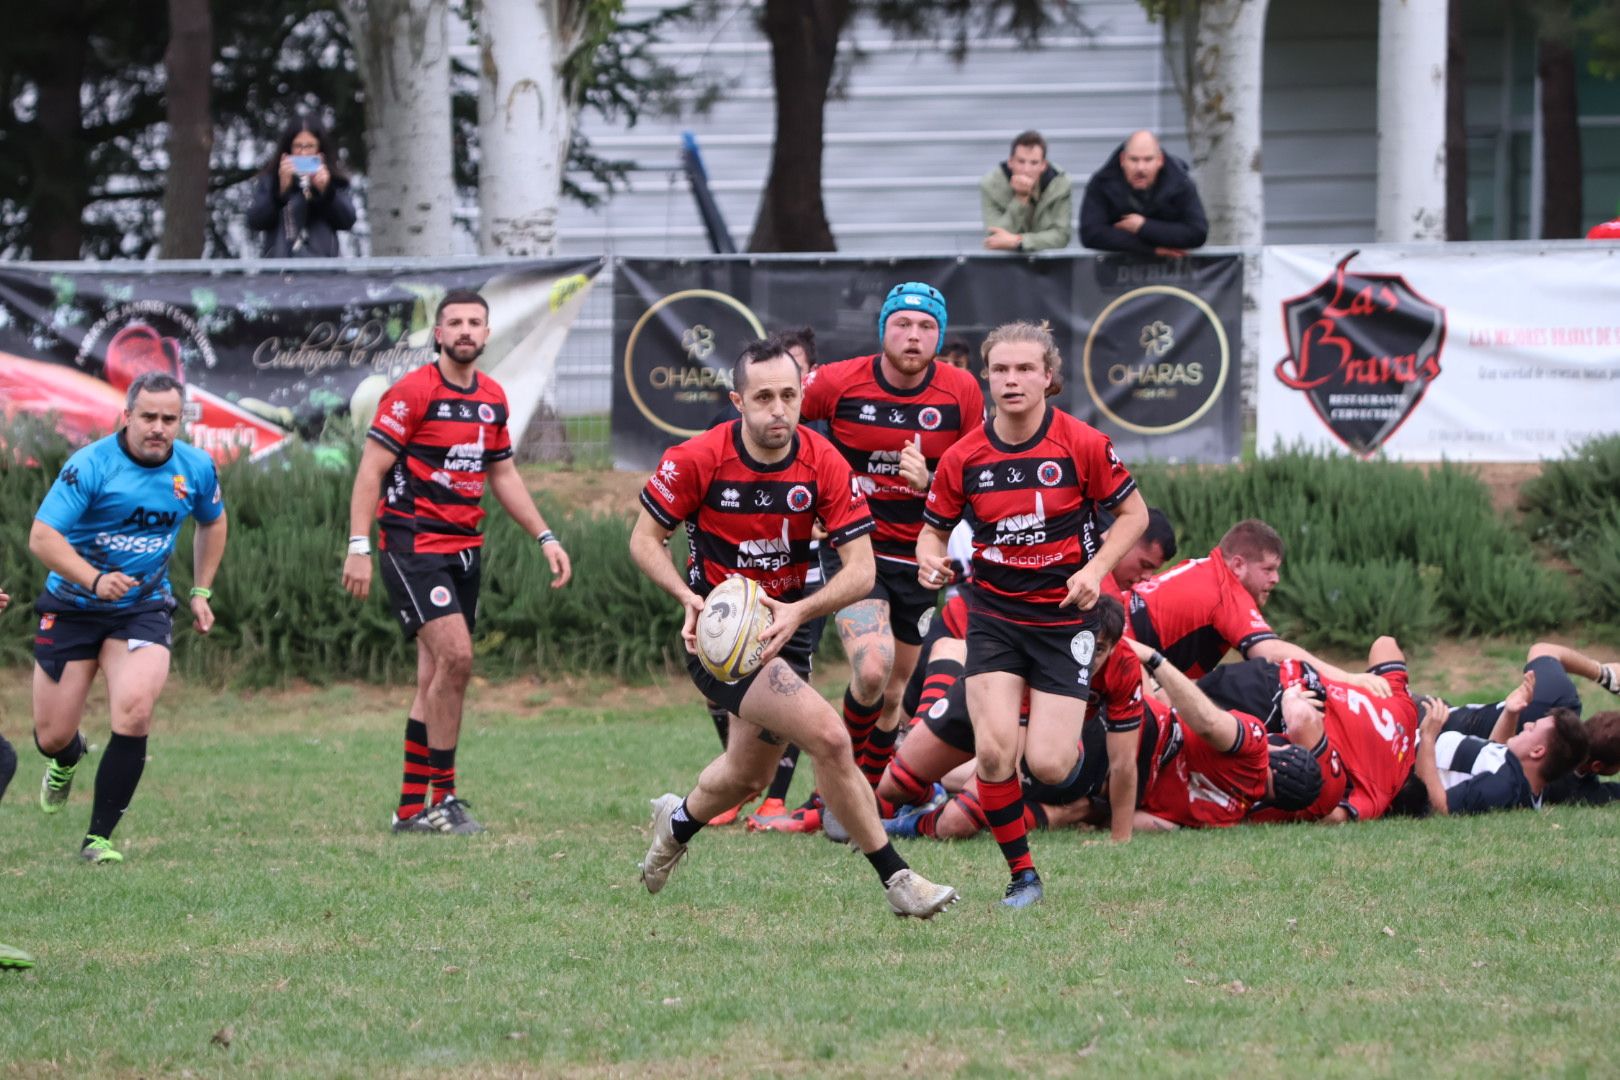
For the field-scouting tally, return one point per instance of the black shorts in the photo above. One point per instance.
(1089, 780)
(422, 588)
(1051, 659)
(919, 674)
(911, 607)
(60, 637)
(798, 653)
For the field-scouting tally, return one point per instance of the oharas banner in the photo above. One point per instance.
(266, 353)
(1149, 346)
(1465, 352)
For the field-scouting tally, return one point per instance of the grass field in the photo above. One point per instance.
(267, 923)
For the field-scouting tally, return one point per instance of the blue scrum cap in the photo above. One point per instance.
(917, 296)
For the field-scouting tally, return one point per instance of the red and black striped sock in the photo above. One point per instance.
(860, 720)
(874, 757)
(413, 786)
(938, 678)
(1003, 802)
(911, 790)
(443, 766)
(1034, 816)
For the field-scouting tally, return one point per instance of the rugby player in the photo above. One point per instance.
(1225, 765)
(892, 415)
(750, 494)
(1029, 481)
(1465, 774)
(1198, 611)
(106, 532)
(439, 439)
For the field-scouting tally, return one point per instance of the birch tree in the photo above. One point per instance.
(403, 49)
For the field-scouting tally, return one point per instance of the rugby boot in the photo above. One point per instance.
(913, 896)
(450, 816)
(832, 828)
(904, 822)
(768, 810)
(99, 850)
(57, 783)
(14, 959)
(665, 851)
(1023, 890)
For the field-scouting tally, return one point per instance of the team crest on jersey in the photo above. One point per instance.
(1048, 473)
(440, 596)
(799, 498)
(1083, 646)
(47, 621)
(486, 413)
(930, 418)
(180, 491)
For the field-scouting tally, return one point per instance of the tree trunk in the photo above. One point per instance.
(1224, 121)
(61, 186)
(187, 66)
(405, 65)
(525, 121)
(1560, 141)
(1456, 125)
(804, 50)
(1412, 40)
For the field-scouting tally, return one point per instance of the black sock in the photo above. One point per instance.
(784, 773)
(683, 825)
(722, 722)
(8, 765)
(887, 862)
(69, 755)
(116, 780)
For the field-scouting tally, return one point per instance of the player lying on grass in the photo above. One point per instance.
(1226, 766)
(785, 479)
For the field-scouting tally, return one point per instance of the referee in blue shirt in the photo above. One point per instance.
(106, 532)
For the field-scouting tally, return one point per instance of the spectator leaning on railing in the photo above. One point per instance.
(1026, 200)
(1143, 201)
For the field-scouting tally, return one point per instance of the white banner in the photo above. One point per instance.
(1466, 352)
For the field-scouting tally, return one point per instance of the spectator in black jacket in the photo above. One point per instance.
(301, 196)
(1144, 202)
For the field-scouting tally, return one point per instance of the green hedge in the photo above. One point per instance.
(1574, 508)
(1373, 547)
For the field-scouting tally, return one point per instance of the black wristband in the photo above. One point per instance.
(1152, 662)
(97, 582)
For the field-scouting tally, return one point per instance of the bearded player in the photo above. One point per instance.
(1029, 482)
(892, 415)
(440, 440)
(750, 494)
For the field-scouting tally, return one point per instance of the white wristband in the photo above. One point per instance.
(359, 545)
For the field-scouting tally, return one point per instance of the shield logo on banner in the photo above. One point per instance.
(1363, 348)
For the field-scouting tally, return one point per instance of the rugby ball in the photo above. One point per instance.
(728, 630)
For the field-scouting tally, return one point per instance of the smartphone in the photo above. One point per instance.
(306, 164)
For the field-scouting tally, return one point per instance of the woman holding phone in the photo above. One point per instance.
(301, 196)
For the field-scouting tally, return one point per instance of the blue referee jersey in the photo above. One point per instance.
(122, 516)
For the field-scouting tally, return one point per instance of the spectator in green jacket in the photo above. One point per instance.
(1027, 201)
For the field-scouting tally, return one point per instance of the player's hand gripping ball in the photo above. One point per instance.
(728, 630)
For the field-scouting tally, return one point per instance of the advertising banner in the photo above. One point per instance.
(1457, 353)
(266, 354)
(1150, 347)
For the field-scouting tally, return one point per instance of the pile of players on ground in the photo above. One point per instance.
(1210, 744)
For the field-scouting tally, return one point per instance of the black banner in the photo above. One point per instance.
(1150, 347)
(265, 353)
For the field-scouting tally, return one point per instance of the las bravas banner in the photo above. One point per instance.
(264, 354)
(1150, 347)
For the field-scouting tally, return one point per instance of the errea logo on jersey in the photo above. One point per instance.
(987, 478)
(729, 498)
(868, 413)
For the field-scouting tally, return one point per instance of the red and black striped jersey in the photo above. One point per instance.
(1194, 613)
(1202, 787)
(1030, 506)
(870, 419)
(748, 517)
(445, 439)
